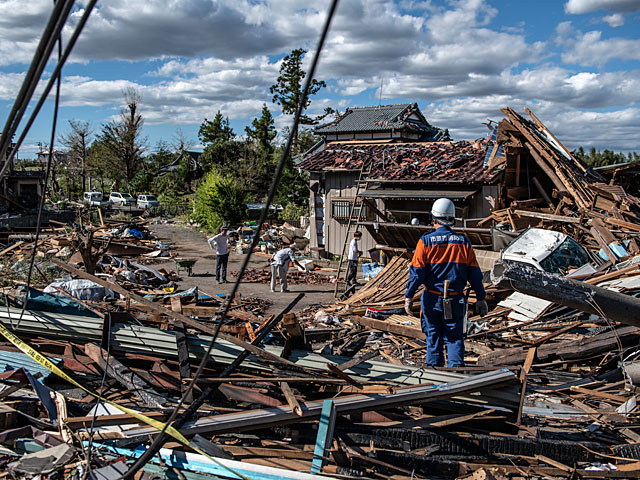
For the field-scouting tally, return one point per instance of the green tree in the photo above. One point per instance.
(123, 139)
(221, 148)
(287, 91)
(596, 158)
(216, 131)
(219, 199)
(263, 130)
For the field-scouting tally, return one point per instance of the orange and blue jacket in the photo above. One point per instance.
(444, 255)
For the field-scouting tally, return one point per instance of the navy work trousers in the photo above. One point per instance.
(221, 264)
(439, 331)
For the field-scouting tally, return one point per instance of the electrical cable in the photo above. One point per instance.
(161, 437)
(44, 190)
(30, 75)
(67, 51)
(53, 30)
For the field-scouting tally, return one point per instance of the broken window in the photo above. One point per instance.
(568, 254)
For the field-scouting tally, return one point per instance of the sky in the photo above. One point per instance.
(574, 63)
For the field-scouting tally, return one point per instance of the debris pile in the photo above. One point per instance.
(107, 347)
(253, 275)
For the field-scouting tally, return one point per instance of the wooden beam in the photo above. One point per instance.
(325, 434)
(183, 358)
(291, 398)
(531, 355)
(404, 330)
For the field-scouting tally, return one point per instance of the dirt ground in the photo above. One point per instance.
(191, 243)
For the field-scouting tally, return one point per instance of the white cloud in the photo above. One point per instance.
(580, 7)
(590, 49)
(615, 130)
(614, 20)
(224, 55)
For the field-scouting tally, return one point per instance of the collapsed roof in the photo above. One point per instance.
(448, 162)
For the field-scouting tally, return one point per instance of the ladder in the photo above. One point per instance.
(352, 224)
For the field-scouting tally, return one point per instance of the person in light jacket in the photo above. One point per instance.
(354, 254)
(280, 267)
(221, 244)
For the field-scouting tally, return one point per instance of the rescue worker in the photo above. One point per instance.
(221, 242)
(280, 267)
(354, 254)
(444, 257)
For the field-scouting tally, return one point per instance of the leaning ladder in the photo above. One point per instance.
(354, 220)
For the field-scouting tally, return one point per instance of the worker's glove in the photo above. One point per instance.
(482, 308)
(408, 303)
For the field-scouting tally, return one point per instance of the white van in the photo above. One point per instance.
(147, 201)
(94, 199)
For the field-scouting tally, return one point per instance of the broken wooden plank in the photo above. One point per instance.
(291, 398)
(124, 376)
(404, 330)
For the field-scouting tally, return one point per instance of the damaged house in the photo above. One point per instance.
(391, 163)
(20, 189)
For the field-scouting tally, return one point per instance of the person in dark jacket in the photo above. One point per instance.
(444, 258)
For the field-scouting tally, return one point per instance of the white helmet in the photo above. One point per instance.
(415, 221)
(443, 211)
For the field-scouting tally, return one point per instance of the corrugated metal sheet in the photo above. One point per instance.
(14, 360)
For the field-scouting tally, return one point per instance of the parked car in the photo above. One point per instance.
(122, 199)
(547, 250)
(147, 201)
(94, 199)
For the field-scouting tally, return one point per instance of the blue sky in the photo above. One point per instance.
(575, 63)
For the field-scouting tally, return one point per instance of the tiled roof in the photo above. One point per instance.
(383, 118)
(455, 162)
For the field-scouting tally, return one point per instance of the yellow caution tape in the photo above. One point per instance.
(46, 363)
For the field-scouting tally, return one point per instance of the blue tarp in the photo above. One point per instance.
(499, 153)
(46, 302)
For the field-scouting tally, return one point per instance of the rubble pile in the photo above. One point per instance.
(107, 346)
(253, 275)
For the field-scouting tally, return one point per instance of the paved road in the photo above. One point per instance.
(191, 243)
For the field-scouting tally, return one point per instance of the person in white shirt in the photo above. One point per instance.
(354, 254)
(280, 267)
(221, 242)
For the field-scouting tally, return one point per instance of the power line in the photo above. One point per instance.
(162, 436)
(52, 31)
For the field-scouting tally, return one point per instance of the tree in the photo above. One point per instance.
(287, 91)
(216, 131)
(180, 142)
(123, 138)
(219, 199)
(596, 158)
(78, 141)
(263, 131)
(220, 149)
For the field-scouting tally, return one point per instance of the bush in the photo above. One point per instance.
(293, 212)
(219, 199)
